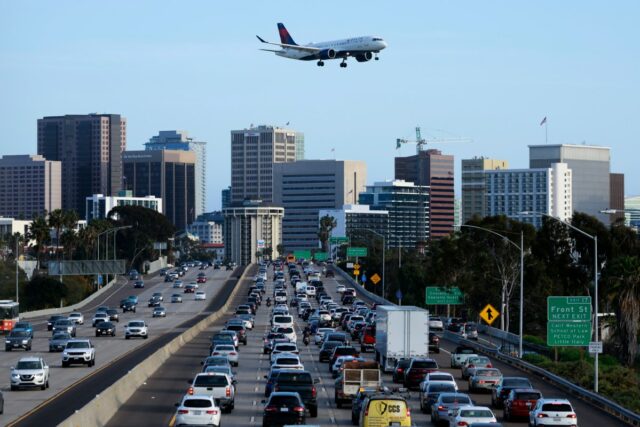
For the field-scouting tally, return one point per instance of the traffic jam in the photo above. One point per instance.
(327, 357)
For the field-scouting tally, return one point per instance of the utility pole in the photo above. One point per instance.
(17, 276)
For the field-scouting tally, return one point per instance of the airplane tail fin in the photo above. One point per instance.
(285, 37)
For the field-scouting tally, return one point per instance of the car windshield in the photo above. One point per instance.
(285, 330)
(287, 361)
(136, 324)
(456, 399)
(63, 336)
(557, 407)
(441, 387)
(211, 381)
(529, 395)
(279, 400)
(217, 361)
(218, 368)
(283, 319)
(28, 364)
(225, 348)
(106, 325)
(295, 377)
(75, 315)
(440, 377)
(285, 347)
(516, 382)
(63, 323)
(466, 351)
(78, 344)
(487, 373)
(19, 334)
(476, 413)
(422, 364)
(197, 403)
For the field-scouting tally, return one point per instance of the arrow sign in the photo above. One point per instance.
(489, 314)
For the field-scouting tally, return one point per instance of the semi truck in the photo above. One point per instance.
(402, 332)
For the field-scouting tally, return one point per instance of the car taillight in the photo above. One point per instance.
(227, 391)
(212, 412)
(270, 409)
(471, 366)
(298, 409)
(215, 353)
(481, 382)
(183, 411)
(313, 391)
(572, 416)
(462, 423)
(233, 353)
(400, 370)
(542, 415)
(190, 391)
(489, 365)
(408, 411)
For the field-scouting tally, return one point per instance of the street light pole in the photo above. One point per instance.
(595, 283)
(16, 257)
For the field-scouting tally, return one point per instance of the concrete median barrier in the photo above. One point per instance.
(99, 411)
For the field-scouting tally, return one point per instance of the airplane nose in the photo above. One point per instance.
(383, 44)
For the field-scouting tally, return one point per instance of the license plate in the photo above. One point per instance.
(197, 412)
(16, 345)
(557, 419)
(284, 409)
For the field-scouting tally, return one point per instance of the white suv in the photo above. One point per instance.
(79, 351)
(30, 372)
(282, 321)
(553, 412)
(136, 328)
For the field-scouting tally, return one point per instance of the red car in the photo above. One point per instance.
(368, 340)
(416, 371)
(201, 280)
(520, 402)
(189, 289)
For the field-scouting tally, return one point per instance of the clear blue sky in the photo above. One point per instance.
(486, 70)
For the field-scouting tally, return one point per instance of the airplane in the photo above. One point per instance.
(361, 48)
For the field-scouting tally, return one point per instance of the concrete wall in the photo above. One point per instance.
(156, 265)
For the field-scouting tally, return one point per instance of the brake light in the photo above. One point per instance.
(408, 411)
(270, 409)
(298, 409)
(489, 365)
(400, 370)
(313, 391)
(183, 411)
(462, 423)
(541, 415)
(213, 412)
(572, 416)
(227, 391)
(216, 352)
(471, 366)
(233, 353)
(190, 391)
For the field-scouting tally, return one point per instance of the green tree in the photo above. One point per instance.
(40, 232)
(43, 292)
(57, 221)
(327, 224)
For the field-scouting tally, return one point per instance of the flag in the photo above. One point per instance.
(543, 121)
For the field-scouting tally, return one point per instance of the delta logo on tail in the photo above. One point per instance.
(362, 48)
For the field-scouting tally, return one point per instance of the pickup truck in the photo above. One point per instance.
(356, 375)
(30, 372)
(217, 385)
(300, 382)
(461, 354)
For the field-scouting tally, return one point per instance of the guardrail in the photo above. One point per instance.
(513, 340)
(101, 409)
(359, 288)
(597, 400)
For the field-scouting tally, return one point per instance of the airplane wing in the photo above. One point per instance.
(291, 46)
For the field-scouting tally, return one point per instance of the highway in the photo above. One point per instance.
(31, 407)
(153, 403)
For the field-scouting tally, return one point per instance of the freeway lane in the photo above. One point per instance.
(153, 403)
(88, 382)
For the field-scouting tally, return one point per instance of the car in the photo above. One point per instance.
(128, 305)
(217, 385)
(178, 284)
(301, 382)
(399, 370)
(190, 289)
(198, 409)
(158, 295)
(239, 329)
(136, 328)
(553, 412)
(58, 341)
(24, 326)
(319, 336)
(200, 296)
(201, 279)
(113, 315)
(418, 368)
(520, 402)
(268, 341)
(106, 328)
(53, 320)
(64, 325)
(288, 361)
(340, 288)
(502, 390)
(435, 323)
(336, 368)
(99, 317)
(471, 331)
(327, 350)
(484, 379)
(447, 405)
(282, 346)
(473, 363)
(224, 369)
(430, 392)
(139, 284)
(329, 273)
(159, 312)
(79, 351)
(438, 376)
(30, 372)
(154, 302)
(342, 350)
(283, 407)
(215, 361)
(434, 343)
(18, 339)
(385, 410)
(176, 298)
(76, 317)
(469, 415)
(227, 350)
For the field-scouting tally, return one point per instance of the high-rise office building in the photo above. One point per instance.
(513, 191)
(167, 174)
(431, 168)
(616, 196)
(179, 140)
(632, 212)
(590, 168)
(352, 218)
(473, 185)
(98, 206)
(254, 151)
(29, 186)
(226, 197)
(90, 148)
(249, 227)
(408, 208)
(304, 187)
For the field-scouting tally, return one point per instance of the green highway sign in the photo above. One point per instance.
(569, 309)
(356, 251)
(338, 240)
(440, 295)
(302, 254)
(576, 334)
(320, 256)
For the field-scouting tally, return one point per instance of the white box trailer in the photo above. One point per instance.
(401, 332)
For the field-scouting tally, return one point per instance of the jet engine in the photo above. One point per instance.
(364, 57)
(327, 54)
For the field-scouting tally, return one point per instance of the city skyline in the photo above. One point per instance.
(575, 64)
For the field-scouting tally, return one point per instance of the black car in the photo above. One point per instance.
(139, 284)
(302, 383)
(282, 408)
(401, 367)
(356, 403)
(500, 393)
(327, 350)
(18, 339)
(113, 314)
(52, 320)
(128, 305)
(154, 302)
(240, 331)
(434, 342)
(106, 328)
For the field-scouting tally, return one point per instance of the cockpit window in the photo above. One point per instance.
(377, 39)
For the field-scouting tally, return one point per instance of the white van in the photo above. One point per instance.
(311, 291)
(301, 287)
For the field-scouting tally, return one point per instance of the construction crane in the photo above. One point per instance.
(422, 142)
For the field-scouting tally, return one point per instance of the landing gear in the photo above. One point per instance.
(320, 63)
(376, 57)
(343, 64)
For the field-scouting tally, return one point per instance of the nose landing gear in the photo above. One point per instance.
(320, 63)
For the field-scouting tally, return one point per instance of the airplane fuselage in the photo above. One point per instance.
(343, 48)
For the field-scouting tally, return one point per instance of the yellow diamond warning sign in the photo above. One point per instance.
(375, 278)
(489, 314)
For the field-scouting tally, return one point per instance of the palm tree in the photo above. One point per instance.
(56, 221)
(624, 278)
(327, 224)
(40, 232)
(69, 240)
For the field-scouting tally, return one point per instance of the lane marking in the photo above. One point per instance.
(173, 421)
